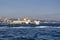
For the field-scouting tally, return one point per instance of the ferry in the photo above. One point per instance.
(19, 22)
(26, 22)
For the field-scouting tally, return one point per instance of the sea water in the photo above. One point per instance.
(30, 33)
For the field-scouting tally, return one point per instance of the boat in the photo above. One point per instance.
(20, 22)
(26, 23)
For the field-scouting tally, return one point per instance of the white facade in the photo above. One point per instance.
(17, 22)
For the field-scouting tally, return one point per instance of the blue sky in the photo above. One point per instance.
(42, 9)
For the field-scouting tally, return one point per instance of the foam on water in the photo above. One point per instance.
(41, 27)
(31, 27)
(21, 27)
(37, 27)
(5, 27)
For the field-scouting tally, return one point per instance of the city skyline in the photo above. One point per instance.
(43, 9)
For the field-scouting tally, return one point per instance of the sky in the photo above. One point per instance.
(39, 9)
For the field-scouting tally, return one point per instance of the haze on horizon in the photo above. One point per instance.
(42, 9)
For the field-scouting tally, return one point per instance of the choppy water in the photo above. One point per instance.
(37, 33)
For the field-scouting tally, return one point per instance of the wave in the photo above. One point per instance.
(5, 27)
